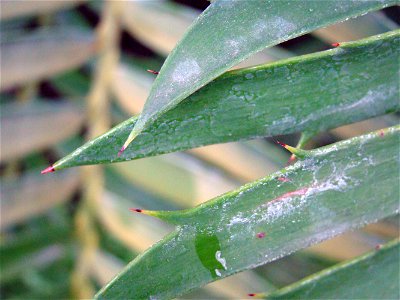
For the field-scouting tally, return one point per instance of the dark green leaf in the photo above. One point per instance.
(226, 33)
(314, 92)
(336, 188)
(374, 275)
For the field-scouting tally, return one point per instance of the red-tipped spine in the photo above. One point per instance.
(283, 179)
(282, 144)
(136, 210)
(121, 151)
(256, 295)
(335, 45)
(260, 235)
(153, 72)
(48, 170)
(297, 152)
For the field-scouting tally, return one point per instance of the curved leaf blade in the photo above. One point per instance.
(374, 275)
(326, 90)
(160, 25)
(222, 236)
(226, 33)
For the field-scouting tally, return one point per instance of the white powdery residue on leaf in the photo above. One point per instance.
(285, 204)
(295, 200)
(186, 71)
(337, 181)
(220, 259)
(218, 273)
(369, 159)
(233, 46)
(381, 93)
(238, 219)
(260, 29)
(280, 27)
(369, 102)
(285, 122)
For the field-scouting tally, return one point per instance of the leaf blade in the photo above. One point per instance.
(228, 109)
(239, 28)
(220, 237)
(371, 276)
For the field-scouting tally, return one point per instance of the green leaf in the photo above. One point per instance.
(338, 187)
(374, 275)
(226, 33)
(17, 251)
(308, 93)
(168, 22)
(27, 242)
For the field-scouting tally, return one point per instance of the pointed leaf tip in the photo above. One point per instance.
(295, 151)
(254, 295)
(48, 170)
(121, 151)
(147, 212)
(335, 45)
(153, 72)
(172, 217)
(282, 144)
(129, 140)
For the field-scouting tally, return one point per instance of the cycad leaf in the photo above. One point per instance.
(338, 187)
(160, 25)
(374, 275)
(308, 93)
(226, 33)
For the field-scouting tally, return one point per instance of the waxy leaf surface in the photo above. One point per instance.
(309, 93)
(374, 275)
(227, 32)
(338, 187)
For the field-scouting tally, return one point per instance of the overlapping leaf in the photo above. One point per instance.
(371, 276)
(226, 33)
(309, 93)
(336, 188)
